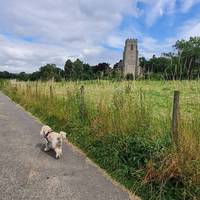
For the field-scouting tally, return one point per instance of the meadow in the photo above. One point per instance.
(125, 127)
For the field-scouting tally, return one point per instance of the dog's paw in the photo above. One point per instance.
(57, 156)
(46, 149)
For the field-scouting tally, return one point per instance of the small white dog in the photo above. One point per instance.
(53, 140)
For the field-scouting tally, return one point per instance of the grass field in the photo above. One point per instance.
(125, 127)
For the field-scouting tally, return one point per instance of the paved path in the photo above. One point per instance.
(26, 172)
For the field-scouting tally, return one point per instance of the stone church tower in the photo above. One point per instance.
(130, 58)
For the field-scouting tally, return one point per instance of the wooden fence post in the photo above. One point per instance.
(175, 118)
(51, 92)
(36, 89)
(82, 103)
(27, 88)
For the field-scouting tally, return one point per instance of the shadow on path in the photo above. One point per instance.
(51, 152)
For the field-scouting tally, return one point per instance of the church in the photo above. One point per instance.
(130, 63)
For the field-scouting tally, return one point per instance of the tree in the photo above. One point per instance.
(50, 71)
(143, 62)
(101, 70)
(189, 53)
(77, 69)
(68, 69)
(23, 76)
(35, 76)
(7, 75)
(155, 65)
(47, 72)
(87, 72)
(117, 70)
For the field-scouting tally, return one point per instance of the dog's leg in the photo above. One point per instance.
(46, 146)
(58, 152)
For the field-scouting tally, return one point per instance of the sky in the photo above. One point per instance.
(34, 33)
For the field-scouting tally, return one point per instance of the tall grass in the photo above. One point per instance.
(125, 127)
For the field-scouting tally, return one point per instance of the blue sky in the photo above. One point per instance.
(33, 33)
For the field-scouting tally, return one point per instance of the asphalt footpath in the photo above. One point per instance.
(27, 172)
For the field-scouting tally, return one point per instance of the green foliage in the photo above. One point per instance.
(2, 83)
(155, 76)
(189, 52)
(7, 75)
(68, 69)
(155, 64)
(23, 76)
(50, 72)
(35, 76)
(182, 64)
(78, 70)
(101, 70)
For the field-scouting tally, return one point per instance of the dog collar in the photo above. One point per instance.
(46, 135)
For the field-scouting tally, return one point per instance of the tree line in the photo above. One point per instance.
(183, 63)
(76, 70)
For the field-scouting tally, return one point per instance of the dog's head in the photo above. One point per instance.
(55, 139)
(58, 138)
(63, 134)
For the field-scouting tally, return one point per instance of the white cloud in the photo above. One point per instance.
(157, 8)
(115, 41)
(190, 28)
(59, 29)
(187, 4)
(17, 56)
(150, 46)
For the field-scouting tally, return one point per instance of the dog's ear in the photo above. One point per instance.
(63, 134)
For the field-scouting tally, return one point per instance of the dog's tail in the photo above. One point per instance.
(63, 134)
(42, 131)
